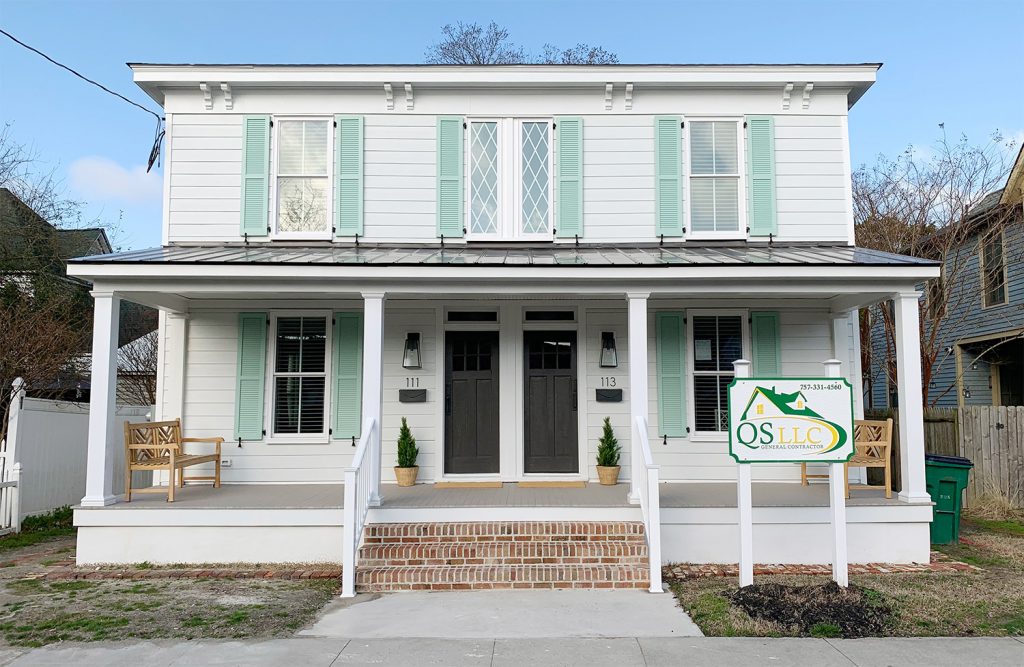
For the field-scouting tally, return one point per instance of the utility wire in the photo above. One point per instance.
(80, 76)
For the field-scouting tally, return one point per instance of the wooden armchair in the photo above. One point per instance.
(153, 446)
(872, 441)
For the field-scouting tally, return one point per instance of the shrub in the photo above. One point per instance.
(407, 449)
(608, 448)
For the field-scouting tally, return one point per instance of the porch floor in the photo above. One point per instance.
(331, 496)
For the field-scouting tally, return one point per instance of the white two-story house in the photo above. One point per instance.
(504, 256)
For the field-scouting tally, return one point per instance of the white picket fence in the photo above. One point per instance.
(42, 460)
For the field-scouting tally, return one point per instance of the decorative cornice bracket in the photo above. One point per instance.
(629, 97)
(229, 102)
(607, 97)
(808, 87)
(389, 97)
(786, 92)
(207, 95)
(408, 97)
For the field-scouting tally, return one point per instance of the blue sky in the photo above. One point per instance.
(945, 61)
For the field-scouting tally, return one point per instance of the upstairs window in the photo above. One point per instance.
(510, 185)
(715, 179)
(303, 177)
(993, 271)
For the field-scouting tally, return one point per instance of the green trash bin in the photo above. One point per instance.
(946, 478)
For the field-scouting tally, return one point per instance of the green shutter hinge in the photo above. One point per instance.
(744, 125)
(682, 124)
(335, 123)
(271, 122)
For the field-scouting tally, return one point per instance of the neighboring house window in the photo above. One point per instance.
(715, 179)
(516, 210)
(299, 376)
(993, 271)
(717, 343)
(303, 177)
(936, 297)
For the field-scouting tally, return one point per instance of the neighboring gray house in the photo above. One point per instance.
(981, 344)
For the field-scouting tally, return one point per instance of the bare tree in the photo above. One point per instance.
(931, 203)
(581, 54)
(474, 44)
(136, 370)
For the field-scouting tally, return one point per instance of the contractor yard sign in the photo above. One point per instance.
(801, 420)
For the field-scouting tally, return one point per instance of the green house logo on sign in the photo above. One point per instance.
(801, 420)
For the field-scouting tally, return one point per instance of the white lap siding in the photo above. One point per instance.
(599, 320)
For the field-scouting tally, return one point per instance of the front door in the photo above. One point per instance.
(551, 442)
(471, 402)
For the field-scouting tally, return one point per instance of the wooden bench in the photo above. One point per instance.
(155, 446)
(872, 441)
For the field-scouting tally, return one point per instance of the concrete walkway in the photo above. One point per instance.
(592, 652)
(534, 614)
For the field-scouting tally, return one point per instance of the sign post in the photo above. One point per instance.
(794, 420)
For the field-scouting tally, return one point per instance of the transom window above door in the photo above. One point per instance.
(510, 184)
(303, 177)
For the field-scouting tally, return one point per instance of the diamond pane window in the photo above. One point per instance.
(303, 147)
(483, 159)
(536, 178)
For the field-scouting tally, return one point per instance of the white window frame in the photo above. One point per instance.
(691, 398)
(983, 271)
(269, 385)
(510, 190)
(275, 176)
(741, 186)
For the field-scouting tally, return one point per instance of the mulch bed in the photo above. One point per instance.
(819, 610)
(939, 563)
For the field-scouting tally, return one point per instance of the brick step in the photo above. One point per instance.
(503, 553)
(475, 577)
(504, 531)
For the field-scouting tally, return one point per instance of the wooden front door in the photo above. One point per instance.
(551, 442)
(471, 402)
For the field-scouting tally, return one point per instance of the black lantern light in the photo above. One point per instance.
(609, 357)
(411, 358)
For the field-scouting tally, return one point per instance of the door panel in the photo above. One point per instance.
(551, 427)
(471, 402)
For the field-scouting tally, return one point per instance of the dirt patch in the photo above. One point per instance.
(825, 610)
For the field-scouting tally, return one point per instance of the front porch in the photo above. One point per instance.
(260, 523)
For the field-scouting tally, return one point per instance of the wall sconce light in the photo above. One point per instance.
(609, 357)
(411, 357)
(967, 392)
(974, 365)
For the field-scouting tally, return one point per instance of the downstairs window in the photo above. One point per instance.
(299, 376)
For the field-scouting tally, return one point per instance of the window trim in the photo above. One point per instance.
(324, 437)
(275, 233)
(982, 272)
(688, 349)
(743, 231)
(510, 155)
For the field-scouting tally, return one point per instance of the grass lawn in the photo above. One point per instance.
(985, 603)
(36, 529)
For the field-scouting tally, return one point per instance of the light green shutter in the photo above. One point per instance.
(449, 177)
(255, 175)
(668, 206)
(761, 170)
(764, 332)
(569, 141)
(670, 331)
(252, 363)
(347, 363)
(348, 199)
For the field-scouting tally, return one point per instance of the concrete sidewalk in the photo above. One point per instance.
(622, 652)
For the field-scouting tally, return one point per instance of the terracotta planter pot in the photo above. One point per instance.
(406, 476)
(609, 475)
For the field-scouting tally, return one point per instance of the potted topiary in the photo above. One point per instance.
(608, 451)
(406, 470)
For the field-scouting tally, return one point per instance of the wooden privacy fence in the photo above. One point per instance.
(992, 437)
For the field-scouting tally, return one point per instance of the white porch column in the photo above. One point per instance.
(373, 375)
(908, 382)
(637, 337)
(103, 442)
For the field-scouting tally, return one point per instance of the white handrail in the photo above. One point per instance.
(650, 503)
(358, 491)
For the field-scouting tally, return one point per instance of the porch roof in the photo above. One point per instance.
(596, 255)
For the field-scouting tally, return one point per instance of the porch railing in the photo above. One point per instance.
(359, 489)
(650, 503)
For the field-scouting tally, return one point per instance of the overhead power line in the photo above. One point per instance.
(78, 74)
